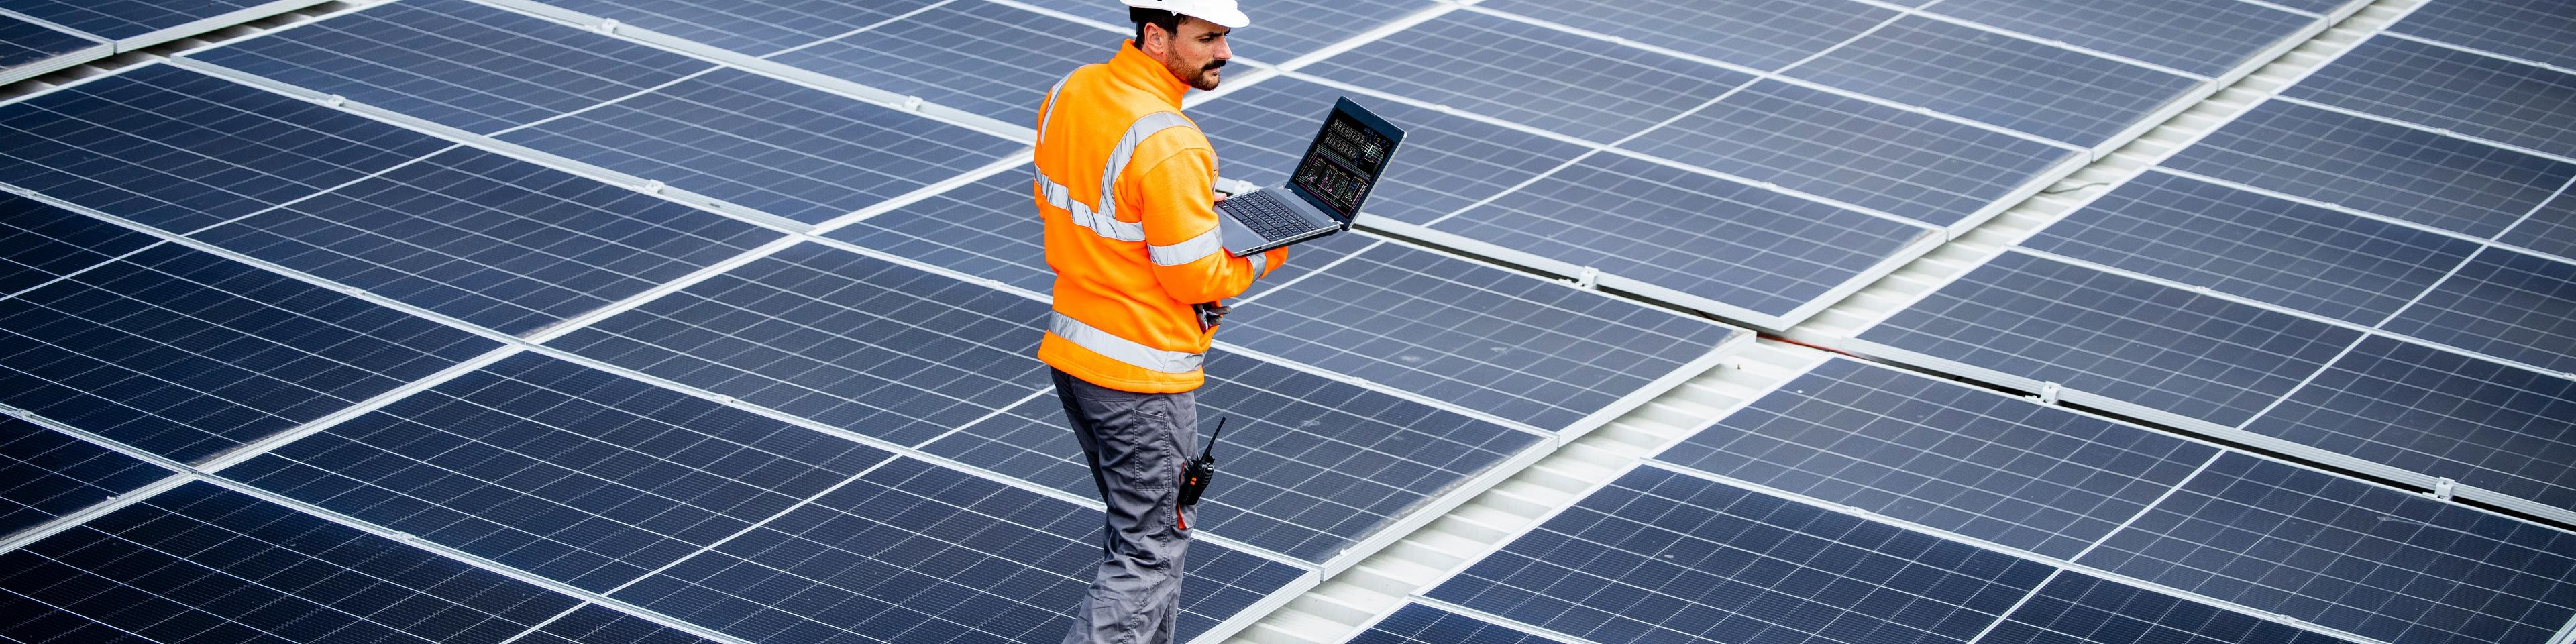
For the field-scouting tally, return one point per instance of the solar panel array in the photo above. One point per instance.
(669, 320)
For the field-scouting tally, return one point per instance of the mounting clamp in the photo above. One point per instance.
(334, 100)
(2441, 489)
(2047, 393)
(1589, 279)
(608, 26)
(651, 186)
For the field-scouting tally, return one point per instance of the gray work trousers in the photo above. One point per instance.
(1137, 445)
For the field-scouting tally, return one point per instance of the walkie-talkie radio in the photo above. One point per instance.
(1195, 476)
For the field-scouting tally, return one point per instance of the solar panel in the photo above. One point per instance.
(2374, 167)
(592, 624)
(2504, 304)
(2029, 87)
(46, 242)
(27, 49)
(2421, 409)
(2535, 30)
(185, 354)
(501, 243)
(2348, 555)
(1761, 252)
(2551, 228)
(122, 19)
(912, 552)
(201, 563)
(2076, 607)
(1450, 329)
(1311, 466)
(1281, 29)
(455, 63)
(45, 474)
(768, 144)
(838, 337)
(1660, 556)
(1973, 462)
(1761, 34)
(1893, 160)
(751, 28)
(2436, 86)
(2196, 356)
(2283, 252)
(1423, 624)
(976, 56)
(1533, 75)
(2205, 37)
(561, 470)
(1447, 162)
(180, 150)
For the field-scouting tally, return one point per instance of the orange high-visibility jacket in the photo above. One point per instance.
(1126, 185)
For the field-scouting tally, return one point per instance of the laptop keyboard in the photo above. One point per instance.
(1264, 213)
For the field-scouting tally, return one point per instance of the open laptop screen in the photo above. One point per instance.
(1346, 157)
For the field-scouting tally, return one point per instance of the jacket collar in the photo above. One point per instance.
(1132, 67)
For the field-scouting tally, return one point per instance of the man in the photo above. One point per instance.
(1125, 184)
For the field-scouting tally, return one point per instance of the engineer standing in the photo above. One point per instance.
(1126, 186)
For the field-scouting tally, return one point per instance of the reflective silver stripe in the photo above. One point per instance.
(1207, 243)
(1104, 220)
(1145, 126)
(1122, 349)
(1100, 224)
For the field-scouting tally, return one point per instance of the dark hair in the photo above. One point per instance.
(1170, 22)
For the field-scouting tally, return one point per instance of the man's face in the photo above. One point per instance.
(1193, 55)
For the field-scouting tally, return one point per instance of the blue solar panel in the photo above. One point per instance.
(45, 242)
(121, 19)
(2076, 608)
(2551, 228)
(2205, 37)
(1660, 556)
(204, 564)
(751, 28)
(1893, 160)
(767, 144)
(185, 354)
(1761, 34)
(912, 552)
(561, 470)
(1421, 624)
(46, 474)
(2466, 93)
(502, 243)
(2505, 304)
(1311, 465)
(592, 624)
(2197, 356)
(1532, 75)
(455, 63)
(838, 337)
(2535, 30)
(1973, 462)
(1733, 244)
(2029, 87)
(981, 57)
(180, 150)
(2348, 555)
(2318, 260)
(2421, 409)
(23, 43)
(2374, 167)
(1484, 338)
(1281, 29)
(1446, 162)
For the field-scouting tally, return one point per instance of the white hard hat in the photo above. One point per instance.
(1221, 12)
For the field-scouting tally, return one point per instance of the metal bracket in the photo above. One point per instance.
(608, 26)
(911, 104)
(334, 100)
(2047, 393)
(1589, 279)
(2441, 489)
(651, 187)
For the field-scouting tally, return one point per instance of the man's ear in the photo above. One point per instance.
(1156, 40)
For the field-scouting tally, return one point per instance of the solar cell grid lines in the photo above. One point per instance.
(2319, 260)
(1972, 462)
(2379, 168)
(1884, 158)
(2505, 304)
(2204, 37)
(2076, 607)
(1281, 29)
(2504, 429)
(757, 29)
(46, 474)
(2551, 228)
(123, 19)
(1423, 624)
(2535, 30)
(2344, 554)
(1533, 75)
(501, 243)
(768, 145)
(26, 44)
(171, 148)
(1760, 34)
(455, 63)
(46, 242)
(2027, 86)
(184, 354)
(2439, 87)
(973, 55)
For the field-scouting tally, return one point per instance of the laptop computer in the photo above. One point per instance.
(1324, 193)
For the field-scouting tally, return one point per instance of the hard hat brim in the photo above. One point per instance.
(1227, 17)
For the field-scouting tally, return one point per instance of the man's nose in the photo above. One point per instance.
(1223, 51)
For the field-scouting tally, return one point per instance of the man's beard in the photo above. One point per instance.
(1201, 78)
